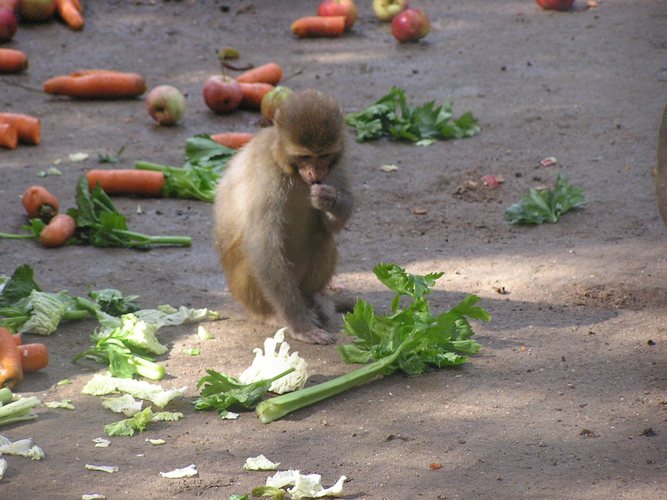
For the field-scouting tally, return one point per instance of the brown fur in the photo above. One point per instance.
(276, 213)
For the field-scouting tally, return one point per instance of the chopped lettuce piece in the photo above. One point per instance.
(188, 471)
(3, 467)
(103, 468)
(21, 448)
(65, 404)
(155, 442)
(101, 384)
(260, 463)
(305, 485)
(125, 404)
(101, 443)
(166, 315)
(275, 359)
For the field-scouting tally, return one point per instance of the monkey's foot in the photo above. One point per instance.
(313, 336)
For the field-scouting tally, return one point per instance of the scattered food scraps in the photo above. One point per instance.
(103, 468)
(101, 443)
(65, 404)
(389, 168)
(188, 471)
(275, 359)
(75, 157)
(492, 181)
(549, 161)
(419, 211)
(260, 463)
(435, 466)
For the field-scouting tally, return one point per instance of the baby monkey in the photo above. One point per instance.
(277, 208)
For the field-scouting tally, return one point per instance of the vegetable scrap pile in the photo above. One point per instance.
(410, 339)
(95, 221)
(125, 339)
(392, 116)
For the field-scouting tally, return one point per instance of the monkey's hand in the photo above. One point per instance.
(324, 197)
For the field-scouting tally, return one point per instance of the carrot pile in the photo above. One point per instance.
(13, 61)
(17, 358)
(97, 84)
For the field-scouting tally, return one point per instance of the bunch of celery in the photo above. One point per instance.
(409, 339)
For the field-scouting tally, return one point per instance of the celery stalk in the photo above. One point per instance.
(18, 411)
(279, 406)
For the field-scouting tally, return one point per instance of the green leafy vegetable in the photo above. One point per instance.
(392, 116)
(205, 161)
(100, 224)
(546, 205)
(409, 339)
(139, 421)
(113, 302)
(221, 392)
(127, 349)
(26, 309)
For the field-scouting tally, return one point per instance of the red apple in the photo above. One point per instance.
(561, 5)
(271, 100)
(386, 10)
(10, 4)
(165, 104)
(222, 94)
(8, 24)
(36, 10)
(345, 8)
(410, 25)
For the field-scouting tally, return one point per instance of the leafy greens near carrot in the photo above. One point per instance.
(126, 339)
(205, 161)
(546, 205)
(100, 224)
(392, 116)
(409, 339)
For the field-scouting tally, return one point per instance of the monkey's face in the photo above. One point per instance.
(313, 169)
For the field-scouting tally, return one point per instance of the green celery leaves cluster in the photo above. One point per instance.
(392, 116)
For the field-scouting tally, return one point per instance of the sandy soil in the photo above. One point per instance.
(568, 398)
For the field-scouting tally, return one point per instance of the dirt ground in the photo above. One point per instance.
(567, 399)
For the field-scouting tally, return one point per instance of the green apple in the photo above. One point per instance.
(385, 10)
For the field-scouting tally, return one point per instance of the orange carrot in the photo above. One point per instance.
(253, 93)
(29, 128)
(97, 84)
(56, 233)
(266, 73)
(11, 371)
(318, 26)
(233, 140)
(39, 202)
(12, 61)
(33, 356)
(127, 181)
(9, 136)
(71, 11)
(18, 338)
